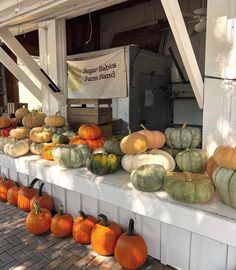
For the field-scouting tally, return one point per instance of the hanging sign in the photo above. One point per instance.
(101, 77)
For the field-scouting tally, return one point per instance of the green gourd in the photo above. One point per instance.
(188, 187)
(71, 156)
(112, 146)
(148, 177)
(192, 160)
(101, 164)
(59, 139)
(225, 183)
(184, 137)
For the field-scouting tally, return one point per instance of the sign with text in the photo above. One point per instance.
(101, 77)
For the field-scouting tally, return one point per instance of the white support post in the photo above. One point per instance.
(19, 74)
(53, 59)
(29, 62)
(179, 30)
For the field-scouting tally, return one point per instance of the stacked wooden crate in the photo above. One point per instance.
(96, 111)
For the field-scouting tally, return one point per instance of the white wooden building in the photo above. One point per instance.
(188, 237)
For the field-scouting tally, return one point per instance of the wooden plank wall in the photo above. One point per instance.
(172, 245)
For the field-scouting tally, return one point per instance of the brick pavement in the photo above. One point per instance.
(20, 250)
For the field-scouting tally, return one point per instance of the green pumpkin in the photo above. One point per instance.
(225, 182)
(172, 151)
(59, 139)
(58, 130)
(112, 146)
(148, 177)
(101, 164)
(36, 148)
(71, 156)
(192, 160)
(188, 187)
(184, 137)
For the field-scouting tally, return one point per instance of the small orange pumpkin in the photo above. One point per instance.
(25, 195)
(12, 194)
(155, 138)
(5, 185)
(89, 132)
(62, 224)
(43, 200)
(104, 236)
(211, 166)
(225, 156)
(92, 144)
(39, 220)
(5, 122)
(131, 249)
(82, 228)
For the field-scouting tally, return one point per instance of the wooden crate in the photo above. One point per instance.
(96, 111)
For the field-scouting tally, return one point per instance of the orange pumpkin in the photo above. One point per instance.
(5, 185)
(225, 156)
(47, 151)
(211, 166)
(25, 195)
(89, 132)
(62, 224)
(92, 144)
(104, 236)
(43, 200)
(155, 138)
(12, 194)
(131, 249)
(5, 122)
(82, 228)
(39, 220)
(134, 143)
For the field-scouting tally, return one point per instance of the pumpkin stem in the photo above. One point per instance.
(33, 183)
(188, 176)
(41, 190)
(184, 125)
(3, 176)
(37, 209)
(129, 130)
(131, 227)
(143, 126)
(61, 212)
(105, 221)
(57, 113)
(82, 214)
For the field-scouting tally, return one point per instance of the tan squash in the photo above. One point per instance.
(134, 143)
(225, 156)
(40, 135)
(17, 148)
(19, 133)
(21, 112)
(33, 119)
(55, 120)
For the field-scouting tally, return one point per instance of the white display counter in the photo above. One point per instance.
(186, 236)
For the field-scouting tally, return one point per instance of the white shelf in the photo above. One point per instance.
(214, 219)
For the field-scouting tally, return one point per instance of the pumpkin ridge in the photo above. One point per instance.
(230, 200)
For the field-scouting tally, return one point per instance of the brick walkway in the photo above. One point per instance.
(20, 250)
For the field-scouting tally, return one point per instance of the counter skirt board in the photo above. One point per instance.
(185, 236)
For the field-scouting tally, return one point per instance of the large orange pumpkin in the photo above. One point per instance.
(82, 228)
(25, 195)
(89, 132)
(5, 185)
(43, 200)
(225, 156)
(38, 221)
(104, 236)
(134, 143)
(62, 224)
(211, 166)
(12, 194)
(92, 144)
(155, 138)
(131, 249)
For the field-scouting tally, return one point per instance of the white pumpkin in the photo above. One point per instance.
(19, 133)
(155, 156)
(4, 141)
(17, 148)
